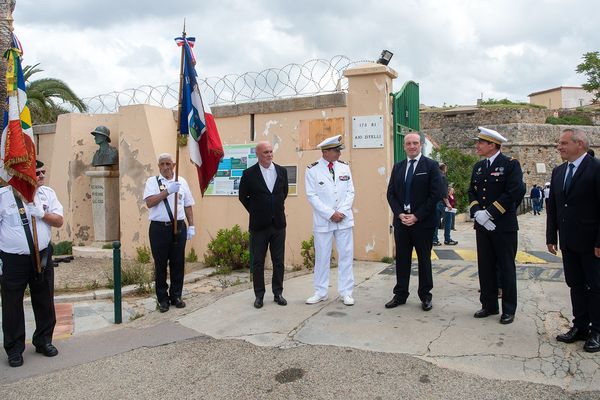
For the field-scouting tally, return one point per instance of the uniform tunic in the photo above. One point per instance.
(326, 195)
(497, 189)
(18, 271)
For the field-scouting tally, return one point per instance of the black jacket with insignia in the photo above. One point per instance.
(498, 189)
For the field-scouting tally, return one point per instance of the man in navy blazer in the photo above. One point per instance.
(413, 193)
(263, 190)
(573, 210)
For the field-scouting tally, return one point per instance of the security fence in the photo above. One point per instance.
(310, 78)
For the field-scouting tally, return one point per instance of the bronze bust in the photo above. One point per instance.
(106, 155)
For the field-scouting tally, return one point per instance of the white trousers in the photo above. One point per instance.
(345, 246)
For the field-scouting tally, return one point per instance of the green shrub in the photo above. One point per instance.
(63, 248)
(387, 260)
(307, 252)
(143, 254)
(192, 256)
(134, 273)
(231, 248)
(570, 120)
(460, 166)
(107, 246)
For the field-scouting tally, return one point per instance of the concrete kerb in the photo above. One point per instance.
(108, 294)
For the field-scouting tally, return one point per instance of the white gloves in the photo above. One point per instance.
(173, 187)
(35, 211)
(191, 231)
(482, 216)
(489, 225)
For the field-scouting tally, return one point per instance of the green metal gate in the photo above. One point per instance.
(406, 116)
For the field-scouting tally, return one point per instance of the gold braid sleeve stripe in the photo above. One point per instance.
(499, 207)
(473, 203)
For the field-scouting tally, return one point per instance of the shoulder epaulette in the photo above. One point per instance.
(313, 164)
(343, 162)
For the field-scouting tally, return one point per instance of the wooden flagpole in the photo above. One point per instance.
(36, 248)
(178, 137)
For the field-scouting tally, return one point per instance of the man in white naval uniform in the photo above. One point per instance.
(330, 192)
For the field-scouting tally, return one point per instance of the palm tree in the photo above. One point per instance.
(47, 97)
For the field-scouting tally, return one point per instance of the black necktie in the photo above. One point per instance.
(408, 181)
(569, 177)
(331, 171)
(487, 163)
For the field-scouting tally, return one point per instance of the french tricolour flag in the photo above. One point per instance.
(197, 121)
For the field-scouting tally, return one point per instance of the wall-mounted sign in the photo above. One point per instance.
(367, 132)
(236, 159)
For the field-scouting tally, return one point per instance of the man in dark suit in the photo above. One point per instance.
(413, 193)
(495, 190)
(573, 210)
(263, 190)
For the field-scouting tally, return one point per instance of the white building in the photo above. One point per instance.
(562, 97)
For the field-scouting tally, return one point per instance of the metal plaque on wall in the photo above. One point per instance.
(367, 132)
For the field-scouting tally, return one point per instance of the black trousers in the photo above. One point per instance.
(18, 272)
(582, 274)
(407, 237)
(274, 239)
(496, 252)
(165, 252)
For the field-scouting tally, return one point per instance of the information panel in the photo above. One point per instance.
(236, 158)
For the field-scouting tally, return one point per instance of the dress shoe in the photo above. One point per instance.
(348, 300)
(178, 303)
(484, 313)
(47, 349)
(163, 307)
(395, 302)
(592, 345)
(506, 319)
(280, 300)
(315, 298)
(15, 360)
(258, 302)
(574, 334)
(451, 242)
(426, 305)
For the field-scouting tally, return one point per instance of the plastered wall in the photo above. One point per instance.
(141, 132)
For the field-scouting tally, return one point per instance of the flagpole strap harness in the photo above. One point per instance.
(44, 254)
(162, 187)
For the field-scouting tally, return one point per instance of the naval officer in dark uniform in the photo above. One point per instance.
(496, 188)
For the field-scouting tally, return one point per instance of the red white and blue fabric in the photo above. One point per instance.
(198, 122)
(190, 41)
(17, 146)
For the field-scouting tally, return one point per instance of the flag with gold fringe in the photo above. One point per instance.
(17, 152)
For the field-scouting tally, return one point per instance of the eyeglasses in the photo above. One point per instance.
(40, 172)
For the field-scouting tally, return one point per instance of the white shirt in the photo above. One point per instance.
(492, 158)
(417, 158)
(12, 234)
(269, 175)
(576, 164)
(159, 211)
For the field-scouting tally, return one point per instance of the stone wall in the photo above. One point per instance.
(470, 117)
(530, 140)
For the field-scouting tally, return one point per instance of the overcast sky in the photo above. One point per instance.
(456, 50)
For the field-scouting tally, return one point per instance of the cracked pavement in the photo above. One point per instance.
(447, 336)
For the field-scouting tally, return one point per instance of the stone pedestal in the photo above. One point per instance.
(104, 188)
